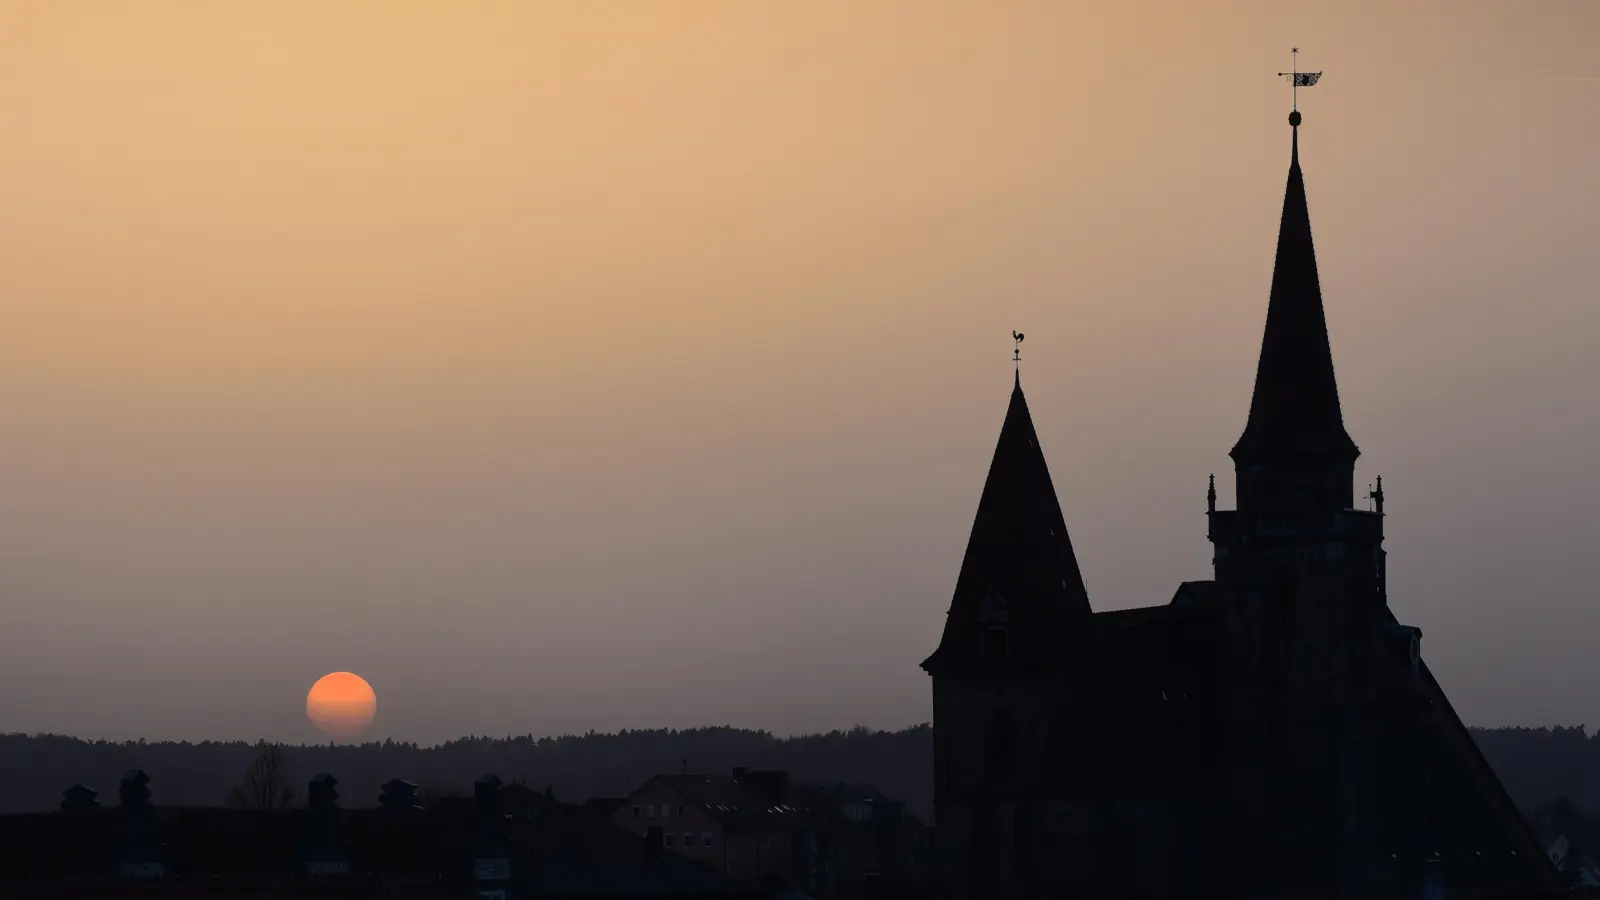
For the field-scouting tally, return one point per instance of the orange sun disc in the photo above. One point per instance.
(341, 705)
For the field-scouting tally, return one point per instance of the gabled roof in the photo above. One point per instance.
(1019, 556)
(604, 806)
(843, 792)
(1295, 407)
(730, 800)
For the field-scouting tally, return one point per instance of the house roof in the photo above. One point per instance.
(562, 844)
(733, 801)
(604, 806)
(1149, 677)
(842, 792)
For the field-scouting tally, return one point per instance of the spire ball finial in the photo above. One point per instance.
(1294, 119)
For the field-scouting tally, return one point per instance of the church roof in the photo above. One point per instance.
(1143, 709)
(1295, 407)
(1019, 561)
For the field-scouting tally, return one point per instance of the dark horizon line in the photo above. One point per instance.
(862, 730)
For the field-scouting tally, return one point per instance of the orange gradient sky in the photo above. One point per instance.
(594, 365)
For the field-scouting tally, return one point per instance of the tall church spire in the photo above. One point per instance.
(1019, 587)
(1295, 428)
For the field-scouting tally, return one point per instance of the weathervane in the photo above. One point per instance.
(1016, 355)
(1297, 80)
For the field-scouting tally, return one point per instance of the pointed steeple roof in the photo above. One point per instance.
(1020, 570)
(1295, 408)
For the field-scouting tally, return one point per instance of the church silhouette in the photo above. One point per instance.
(1273, 732)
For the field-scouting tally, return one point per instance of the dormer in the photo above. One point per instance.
(994, 622)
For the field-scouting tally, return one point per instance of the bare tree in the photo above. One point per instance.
(266, 782)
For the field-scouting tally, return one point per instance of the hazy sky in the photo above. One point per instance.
(599, 365)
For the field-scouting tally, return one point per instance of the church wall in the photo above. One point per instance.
(973, 816)
(964, 711)
(1119, 845)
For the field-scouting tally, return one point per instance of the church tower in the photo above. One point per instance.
(1294, 465)
(1295, 456)
(1337, 733)
(1302, 570)
(1018, 605)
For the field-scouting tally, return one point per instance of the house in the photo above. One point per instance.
(603, 806)
(492, 845)
(865, 840)
(1556, 848)
(748, 825)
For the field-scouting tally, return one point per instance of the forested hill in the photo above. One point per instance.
(1536, 764)
(34, 770)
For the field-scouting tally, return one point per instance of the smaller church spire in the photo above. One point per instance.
(1020, 593)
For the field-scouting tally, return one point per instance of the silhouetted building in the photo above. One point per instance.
(398, 796)
(748, 825)
(867, 843)
(474, 849)
(604, 806)
(1271, 732)
(78, 797)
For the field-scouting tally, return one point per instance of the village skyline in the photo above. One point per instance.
(571, 371)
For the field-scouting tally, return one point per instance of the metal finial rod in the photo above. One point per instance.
(1016, 354)
(1294, 79)
(1297, 80)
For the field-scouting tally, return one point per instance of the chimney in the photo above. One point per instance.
(773, 786)
(323, 847)
(1433, 878)
(134, 790)
(143, 854)
(485, 789)
(398, 796)
(79, 798)
(322, 796)
(490, 845)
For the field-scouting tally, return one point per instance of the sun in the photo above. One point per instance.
(341, 705)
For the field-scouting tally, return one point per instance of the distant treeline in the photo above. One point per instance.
(1537, 765)
(34, 770)
(1541, 765)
